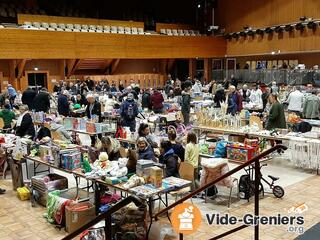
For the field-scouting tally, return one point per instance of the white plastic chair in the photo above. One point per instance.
(134, 30)
(62, 26)
(127, 30)
(120, 30)
(163, 31)
(106, 29)
(84, 28)
(92, 28)
(140, 31)
(174, 32)
(197, 33)
(180, 32)
(114, 29)
(76, 27)
(69, 27)
(186, 32)
(38, 26)
(191, 33)
(99, 29)
(169, 32)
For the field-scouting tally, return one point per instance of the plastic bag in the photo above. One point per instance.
(160, 231)
(221, 149)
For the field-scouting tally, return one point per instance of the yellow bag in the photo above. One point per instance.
(23, 193)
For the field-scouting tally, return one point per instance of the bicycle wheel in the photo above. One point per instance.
(278, 191)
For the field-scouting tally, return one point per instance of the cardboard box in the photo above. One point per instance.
(241, 153)
(156, 175)
(78, 215)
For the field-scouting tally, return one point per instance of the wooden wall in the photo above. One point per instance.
(36, 44)
(89, 21)
(235, 14)
(173, 26)
(295, 42)
(145, 80)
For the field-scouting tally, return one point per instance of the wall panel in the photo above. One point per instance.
(18, 43)
(235, 14)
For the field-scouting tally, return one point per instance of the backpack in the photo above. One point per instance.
(129, 111)
(246, 187)
(302, 127)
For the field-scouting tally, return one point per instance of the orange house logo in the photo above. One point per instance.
(186, 218)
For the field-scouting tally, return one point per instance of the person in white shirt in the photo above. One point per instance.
(197, 88)
(295, 101)
(256, 97)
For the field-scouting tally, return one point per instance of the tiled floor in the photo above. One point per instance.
(18, 220)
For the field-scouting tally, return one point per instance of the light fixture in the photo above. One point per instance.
(289, 27)
(243, 34)
(260, 31)
(36, 69)
(303, 18)
(269, 30)
(273, 53)
(301, 26)
(279, 29)
(312, 25)
(199, 5)
(251, 32)
(235, 35)
(228, 36)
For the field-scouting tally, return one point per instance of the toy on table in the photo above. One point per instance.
(120, 169)
(103, 161)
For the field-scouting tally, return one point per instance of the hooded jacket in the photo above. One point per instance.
(7, 117)
(124, 109)
(171, 161)
(63, 105)
(157, 100)
(146, 154)
(61, 131)
(41, 102)
(28, 97)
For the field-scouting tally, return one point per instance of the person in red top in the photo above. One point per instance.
(157, 101)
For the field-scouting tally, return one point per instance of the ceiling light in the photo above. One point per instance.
(260, 31)
(289, 27)
(279, 29)
(36, 69)
(235, 35)
(269, 29)
(312, 25)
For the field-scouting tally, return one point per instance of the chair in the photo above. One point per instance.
(140, 31)
(114, 29)
(106, 29)
(92, 28)
(55, 27)
(75, 27)
(120, 30)
(99, 29)
(134, 30)
(169, 32)
(186, 171)
(38, 26)
(186, 32)
(47, 26)
(175, 32)
(127, 30)
(180, 32)
(1, 26)
(84, 28)
(214, 168)
(197, 33)
(62, 26)
(69, 27)
(191, 32)
(163, 31)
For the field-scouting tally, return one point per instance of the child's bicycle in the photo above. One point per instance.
(277, 190)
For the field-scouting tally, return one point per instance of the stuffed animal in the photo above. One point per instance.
(103, 162)
(120, 169)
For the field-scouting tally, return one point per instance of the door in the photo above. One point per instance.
(37, 79)
(230, 66)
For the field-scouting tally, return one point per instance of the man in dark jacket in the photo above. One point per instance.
(145, 102)
(169, 158)
(63, 104)
(24, 124)
(185, 105)
(129, 112)
(157, 101)
(93, 108)
(28, 96)
(90, 84)
(219, 96)
(41, 102)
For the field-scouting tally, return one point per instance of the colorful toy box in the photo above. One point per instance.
(71, 161)
(156, 175)
(240, 152)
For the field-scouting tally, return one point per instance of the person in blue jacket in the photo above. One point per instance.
(63, 104)
(129, 112)
(145, 151)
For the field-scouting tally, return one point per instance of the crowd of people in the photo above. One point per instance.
(131, 99)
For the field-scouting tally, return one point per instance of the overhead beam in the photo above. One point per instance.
(74, 67)
(21, 67)
(12, 72)
(114, 65)
(106, 68)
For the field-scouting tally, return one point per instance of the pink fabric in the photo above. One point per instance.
(210, 174)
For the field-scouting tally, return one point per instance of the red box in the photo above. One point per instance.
(241, 153)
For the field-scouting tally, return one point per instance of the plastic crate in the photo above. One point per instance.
(23, 193)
